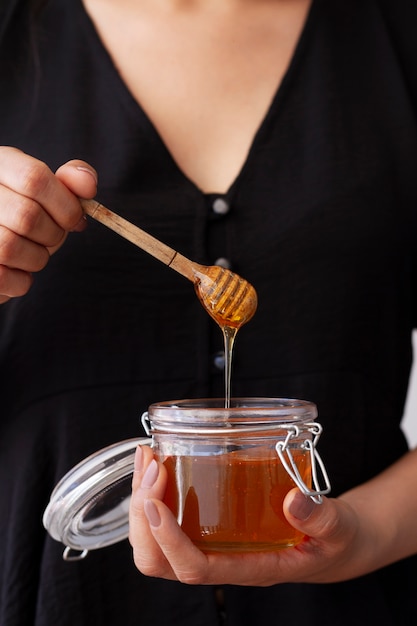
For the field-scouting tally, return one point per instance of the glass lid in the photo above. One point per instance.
(89, 507)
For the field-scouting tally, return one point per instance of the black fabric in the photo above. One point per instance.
(322, 222)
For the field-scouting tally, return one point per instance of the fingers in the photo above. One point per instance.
(149, 479)
(37, 210)
(161, 549)
(18, 253)
(336, 547)
(13, 283)
(186, 563)
(327, 554)
(79, 177)
(32, 179)
(323, 522)
(26, 217)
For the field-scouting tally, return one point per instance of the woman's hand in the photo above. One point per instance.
(37, 210)
(345, 537)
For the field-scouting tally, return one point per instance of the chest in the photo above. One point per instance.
(205, 77)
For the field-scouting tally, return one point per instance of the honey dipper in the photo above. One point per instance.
(227, 297)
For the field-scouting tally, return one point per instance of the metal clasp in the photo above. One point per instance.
(283, 448)
(146, 423)
(74, 555)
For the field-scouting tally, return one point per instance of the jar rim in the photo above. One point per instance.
(243, 412)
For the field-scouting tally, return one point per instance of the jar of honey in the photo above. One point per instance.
(229, 469)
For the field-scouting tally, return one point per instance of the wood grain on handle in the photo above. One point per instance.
(140, 238)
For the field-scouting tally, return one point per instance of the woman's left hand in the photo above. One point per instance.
(340, 543)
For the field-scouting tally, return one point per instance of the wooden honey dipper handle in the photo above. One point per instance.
(228, 298)
(142, 239)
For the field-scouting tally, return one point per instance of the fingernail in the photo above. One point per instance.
(301, 506)
(150, 476)
(92, 173)
(152, 513)
(80, 226)
(138, 463)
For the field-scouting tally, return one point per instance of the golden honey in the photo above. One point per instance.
(233, 501)
(230, 468)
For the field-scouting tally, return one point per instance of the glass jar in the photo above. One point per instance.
(229, 469)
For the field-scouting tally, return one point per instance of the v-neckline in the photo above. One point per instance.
(135, 108)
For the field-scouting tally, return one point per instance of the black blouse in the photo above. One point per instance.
(321, 220)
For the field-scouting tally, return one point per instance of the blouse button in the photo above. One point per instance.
(223, 262)
(220, 206)
(219, 360)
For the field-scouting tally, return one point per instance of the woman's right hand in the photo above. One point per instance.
(37, 210)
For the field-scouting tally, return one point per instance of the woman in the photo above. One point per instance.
(278, 135)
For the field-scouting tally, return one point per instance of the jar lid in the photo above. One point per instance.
(89, 507)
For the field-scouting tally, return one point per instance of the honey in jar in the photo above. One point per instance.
(233, 501)
(229, 469)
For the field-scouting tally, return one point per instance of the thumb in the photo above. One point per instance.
(323, 521)
(79, 177)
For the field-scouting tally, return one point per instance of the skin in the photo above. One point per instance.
(210, 97)
(39, 209)
(361, 531)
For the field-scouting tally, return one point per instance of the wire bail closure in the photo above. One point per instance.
(146, 423)
(72, 555)
(283, 448)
